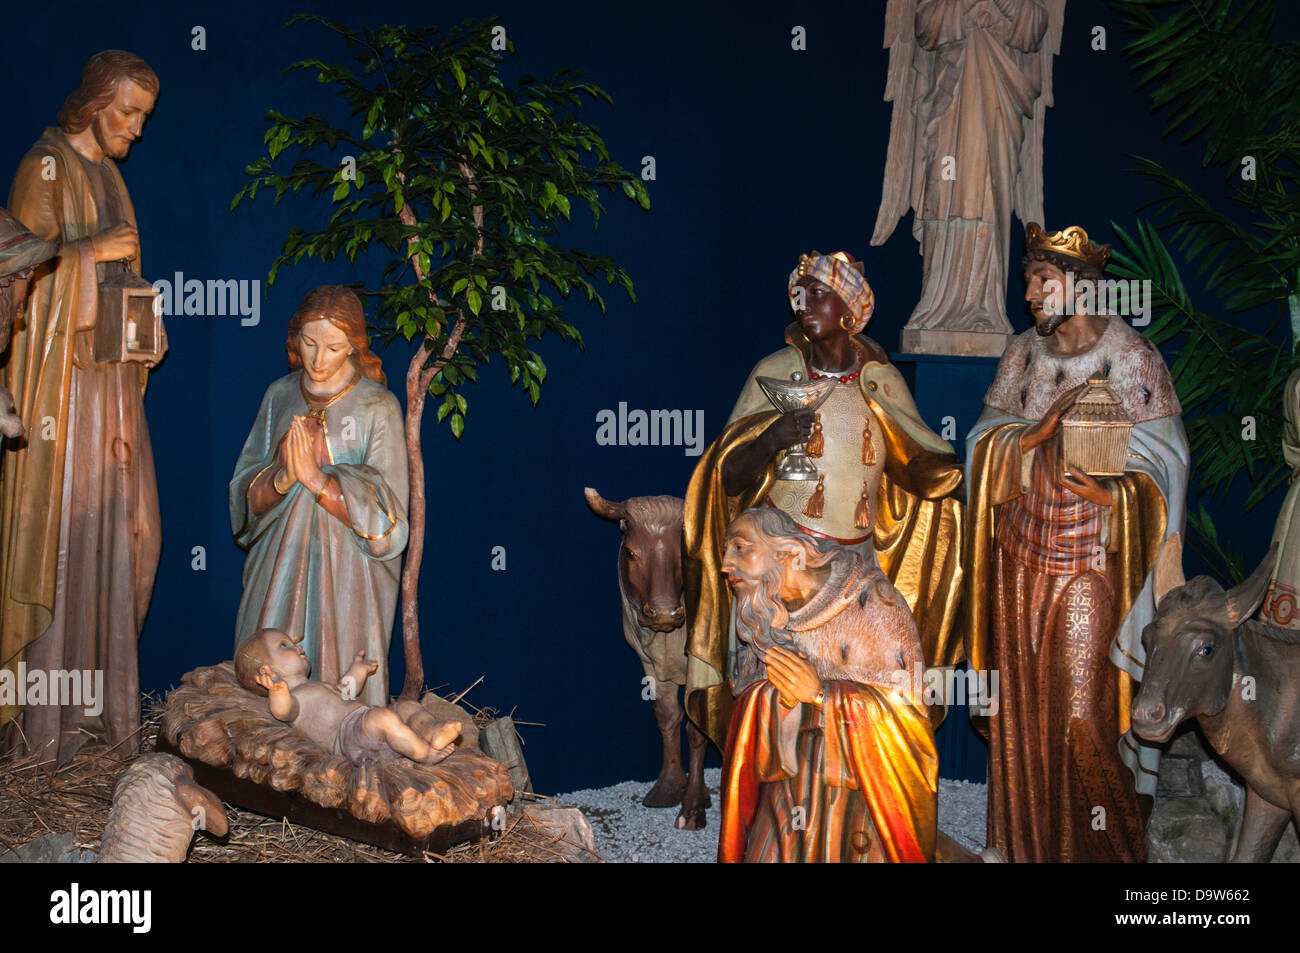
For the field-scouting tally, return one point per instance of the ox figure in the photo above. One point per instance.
(1239, 678)
(654, 624)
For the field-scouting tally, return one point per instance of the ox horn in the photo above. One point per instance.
(603, 507)
(1169, 567)
(1245, 599)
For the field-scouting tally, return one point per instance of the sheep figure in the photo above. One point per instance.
(157, 807)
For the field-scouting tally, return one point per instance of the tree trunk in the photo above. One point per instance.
(416, 391)
(418, 378)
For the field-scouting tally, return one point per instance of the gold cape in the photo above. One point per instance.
(917, 526)
(1137, 529)
(52, 196)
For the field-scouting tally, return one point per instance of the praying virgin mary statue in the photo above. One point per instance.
(319, 497)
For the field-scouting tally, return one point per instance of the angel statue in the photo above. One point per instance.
(970, 81)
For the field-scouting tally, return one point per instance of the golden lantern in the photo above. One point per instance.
(1095, 431)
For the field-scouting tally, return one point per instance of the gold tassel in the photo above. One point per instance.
(868, 448)
(817, 502)
(862, 515)
(817, 441)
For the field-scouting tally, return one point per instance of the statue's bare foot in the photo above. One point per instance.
(691, 820)
(442, 735)
(437, 754)
(667, 791)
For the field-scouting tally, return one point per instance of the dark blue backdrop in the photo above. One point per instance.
(761, 151)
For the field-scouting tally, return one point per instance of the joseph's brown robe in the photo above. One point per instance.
(79, 521)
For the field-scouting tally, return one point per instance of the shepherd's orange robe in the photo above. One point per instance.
(856, 779)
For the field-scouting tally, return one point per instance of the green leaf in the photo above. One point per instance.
(457, 425)
(528, 153)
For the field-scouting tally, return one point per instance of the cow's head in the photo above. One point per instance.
(1191, 642)
(650, 560)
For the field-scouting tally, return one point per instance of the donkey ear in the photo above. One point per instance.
(1169, 567)
(1244, 600)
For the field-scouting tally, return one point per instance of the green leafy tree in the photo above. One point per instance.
(1212, 67)
(462, 180)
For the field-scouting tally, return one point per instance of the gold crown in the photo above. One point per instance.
(1072, 242)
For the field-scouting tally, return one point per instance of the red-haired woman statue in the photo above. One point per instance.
(319, 496)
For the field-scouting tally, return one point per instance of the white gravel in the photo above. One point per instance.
(627, 832)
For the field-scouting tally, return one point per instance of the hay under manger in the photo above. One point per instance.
(248, 758)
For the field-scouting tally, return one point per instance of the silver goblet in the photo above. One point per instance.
(789, 396)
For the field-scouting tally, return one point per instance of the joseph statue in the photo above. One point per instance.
(889, 487)
(1059, 567)
(830, 755)
(79, 520)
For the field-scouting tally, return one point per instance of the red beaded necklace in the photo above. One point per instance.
(842, 378)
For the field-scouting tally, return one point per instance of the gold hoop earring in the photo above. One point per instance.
(847, 321)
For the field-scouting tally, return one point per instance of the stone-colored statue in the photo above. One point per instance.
(157, 807)
(1282, 603)
(887, 485)
(970, 81)
(1059, 567)
(1239, 678)
(80, 531)
(830, 754)
(319, 496)
(271, 663)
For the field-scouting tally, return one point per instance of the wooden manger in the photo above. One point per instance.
(249, 759)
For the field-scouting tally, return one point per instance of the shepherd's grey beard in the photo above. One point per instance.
(754, 614)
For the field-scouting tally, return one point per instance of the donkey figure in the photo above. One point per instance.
(1239, 678)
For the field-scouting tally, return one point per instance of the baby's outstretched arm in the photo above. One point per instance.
(354, 680)
(284, 707)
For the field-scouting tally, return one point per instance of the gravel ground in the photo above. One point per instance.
(627, 832)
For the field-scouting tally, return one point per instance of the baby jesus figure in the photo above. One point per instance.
(330, 715)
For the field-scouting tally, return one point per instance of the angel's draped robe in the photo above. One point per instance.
(309, 574)
(965, 147)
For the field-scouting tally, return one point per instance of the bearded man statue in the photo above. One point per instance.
(80, 526)
(1060, 563)
(830, 754)
(888, 487)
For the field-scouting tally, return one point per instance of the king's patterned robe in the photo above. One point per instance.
(1059, 590)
